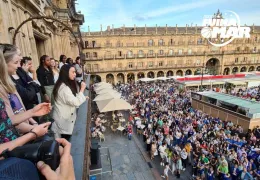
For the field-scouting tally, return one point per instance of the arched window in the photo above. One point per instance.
(161, 43)
(170, 52)
(150, 52)
(150, 42)
(161, 52)
(140, 53)
(129, 53)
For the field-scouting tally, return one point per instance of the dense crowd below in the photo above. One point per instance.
(183, 136)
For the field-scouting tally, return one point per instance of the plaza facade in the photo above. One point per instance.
(39, 37)
(130, 53)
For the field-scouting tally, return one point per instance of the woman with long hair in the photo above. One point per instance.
(66, 100)
(9, 61)
(45, 77)
(79, 70)
(55, 70)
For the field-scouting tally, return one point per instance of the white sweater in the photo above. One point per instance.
(64, 111)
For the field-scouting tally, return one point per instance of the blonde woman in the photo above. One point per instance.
(10, 57)
(55, 70)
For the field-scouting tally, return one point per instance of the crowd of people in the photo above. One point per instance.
(186, 137)
(34, 103)
(252, 93)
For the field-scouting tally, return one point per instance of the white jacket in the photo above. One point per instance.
(64, 111)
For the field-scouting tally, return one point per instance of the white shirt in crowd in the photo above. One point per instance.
(184, 154)
(162, 149)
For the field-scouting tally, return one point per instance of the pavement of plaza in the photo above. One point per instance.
(130, 160)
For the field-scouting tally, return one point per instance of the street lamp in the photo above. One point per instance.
(202, 73)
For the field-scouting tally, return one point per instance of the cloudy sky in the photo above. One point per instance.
(152, 12)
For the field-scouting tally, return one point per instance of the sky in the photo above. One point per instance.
(161, 12)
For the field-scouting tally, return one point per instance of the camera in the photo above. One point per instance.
(46, 151)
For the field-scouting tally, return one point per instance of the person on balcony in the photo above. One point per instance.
(45, 77)
(63, 59)
(9, 62)
(66, 99)
(27, 88)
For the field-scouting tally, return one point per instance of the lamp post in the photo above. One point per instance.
(202, 73)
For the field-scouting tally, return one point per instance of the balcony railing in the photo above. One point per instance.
(174, 54)
(140, 44)
(129, 44)
(141, 56)
(171, 43)
(181, 43)
(151, 44)
(151, 55)
(200, 43)
(82, 135)
(161, 43)
(130, 56)
(154, 66)
(109, 57)
(94, 58)
(161, 54)
(120, 57)
(108, 44)
(119, 45)
(191, 43)
(91, 46)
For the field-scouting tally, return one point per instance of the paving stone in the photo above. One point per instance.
(123, 176)
(126, 158)
(139, 175)
(130, 176)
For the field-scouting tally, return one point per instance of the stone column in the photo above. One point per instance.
(125, 77)
(103, 77)
(135, 76)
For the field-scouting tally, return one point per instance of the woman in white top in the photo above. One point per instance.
(67, 99)
(55, 70)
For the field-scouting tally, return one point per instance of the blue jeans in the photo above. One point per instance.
(18, 169)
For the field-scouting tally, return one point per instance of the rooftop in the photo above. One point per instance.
(253, 106)
(154, 30)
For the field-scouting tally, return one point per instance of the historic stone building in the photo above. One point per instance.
(130, 53)
(39, 37)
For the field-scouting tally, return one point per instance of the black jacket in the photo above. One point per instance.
(26, 88)
(45, 77)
